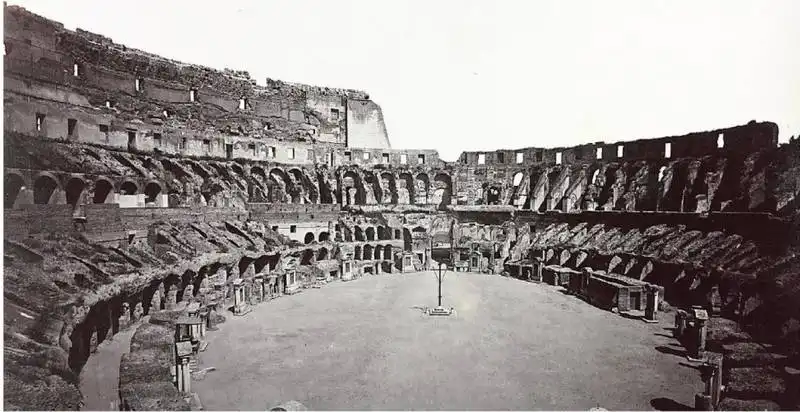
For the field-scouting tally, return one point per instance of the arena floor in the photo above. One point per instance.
(366, 344)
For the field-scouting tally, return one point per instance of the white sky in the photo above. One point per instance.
(461, 75)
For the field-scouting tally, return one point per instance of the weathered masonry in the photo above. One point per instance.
(136, 185)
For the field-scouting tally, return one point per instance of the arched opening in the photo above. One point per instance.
(324, 236)
(128, 188)
(348, 234)
(398, 234)
(594, 177)
(378, 252)
(422, 183)
(151, 191)
(444, 189)
(407, 240)
(492, 195)
(43, 189)
(368, 250)
(370, 233)
(357, 252)
(308, 257)
(322, 254)
(306, 184)
(359, 234)
(387, 252)
(74, 190)
(405, 185)
(282, 190)
(721, 141)
(374, 184)
(382, 233)
(517, 179)
(661, 172)
(309, 238)
(353, 190)
(12, 186)
(389, 188)
(102, 189)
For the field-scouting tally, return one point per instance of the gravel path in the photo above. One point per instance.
(512, 345)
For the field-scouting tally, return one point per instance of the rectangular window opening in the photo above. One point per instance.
(599, 153)
(139, 85)
(157, 139)
(481, 159)
(271, 151)
(620, 151)
(348, 156)
(76, 70)
(501, 158)
(131, 139)
(39, 122)
(71, 126)
(403, 159)
(366, 155)
(243, 103)
(275, 228)
(252, 148)
(667, 150)
(290, 153)
(293, 228)
(558, 158)
(721, 141)
(193, 95)
(334, 114)
(103, 128)
(311, 155)
(421, 159)
(539, 155)
(385, 158)
(520, 157)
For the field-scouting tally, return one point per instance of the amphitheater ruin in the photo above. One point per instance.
(174, 204)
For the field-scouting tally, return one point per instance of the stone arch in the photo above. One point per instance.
(422, 185)
(370, 232)
(307, 258)
(387, 252)
(661, 171)
(357, 252)
(74, 190)
(13, 184)
(324, 236)
(492, 194)
(199, 169)
(309, 238)
(102, 190)
(347, 233)
(325, 192)
(378, 252)
(405, 189)
(353, 189)
(359, 234)
(151, 190)
(368, 251)
(444, 189)
(372, 187)
(284, 192)
(175, 169)
(322, 254)
(388, 188)
(382, 233)
(129, 187)
(238, 169)
(44, 187)
(306, 184)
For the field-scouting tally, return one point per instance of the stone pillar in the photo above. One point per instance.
(680, 324)
(172, 299)
(138, 311)
(697, 330)
(711, 373)
(651, 306)
(188, 293)
(155, 302)
(186, 375)
(238, 297)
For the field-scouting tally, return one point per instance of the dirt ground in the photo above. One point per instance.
(365, 345)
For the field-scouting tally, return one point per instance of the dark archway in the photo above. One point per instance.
(359, 234)
(309, 238)
(492, 195)
(307, 258)
(368, 250)
(406, 240)
(387, 252)
(378, 252)
(445, 184)
(370, 233)
(128, 188)
(102, 189)
(322, 254)
(151, 191)
(382, 233)
(12, 185)
(357, 252)
(324, 236)
(43, 189)
(75, 187)
(352, 189)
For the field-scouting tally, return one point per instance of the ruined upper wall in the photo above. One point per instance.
(741, 140)
(107, 89)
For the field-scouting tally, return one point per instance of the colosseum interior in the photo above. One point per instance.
(152, 204)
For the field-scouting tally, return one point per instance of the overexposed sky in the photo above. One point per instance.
(456, 75)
